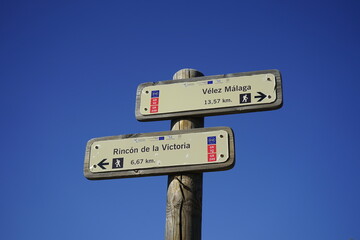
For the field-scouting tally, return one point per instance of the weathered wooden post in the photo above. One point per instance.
(184, 193)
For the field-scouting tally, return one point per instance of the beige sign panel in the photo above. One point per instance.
(213, 95)
(208, 149)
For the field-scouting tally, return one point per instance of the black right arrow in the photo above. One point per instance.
(102, 163)
(261, 96)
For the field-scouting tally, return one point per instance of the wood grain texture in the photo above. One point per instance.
(184, 207)
(184, 193)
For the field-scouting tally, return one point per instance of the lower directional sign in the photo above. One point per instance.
(161, 153)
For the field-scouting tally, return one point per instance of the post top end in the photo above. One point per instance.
(187, 73)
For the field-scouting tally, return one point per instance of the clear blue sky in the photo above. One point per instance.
(69, 72)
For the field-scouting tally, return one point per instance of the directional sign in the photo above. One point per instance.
(136, 155)
(211, 95)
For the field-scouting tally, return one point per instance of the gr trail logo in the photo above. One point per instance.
(211, 148)
(154, 101)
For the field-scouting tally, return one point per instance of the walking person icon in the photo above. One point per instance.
(118, 163)
(245, 98)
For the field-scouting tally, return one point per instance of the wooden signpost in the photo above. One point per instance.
(189, 149)
(184, 193)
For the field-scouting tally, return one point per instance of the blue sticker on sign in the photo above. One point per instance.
(211, 140)
(210, 82)
(161, 138)
(155, 94)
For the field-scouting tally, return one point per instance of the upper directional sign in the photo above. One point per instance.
(210, 95)
(136, 155)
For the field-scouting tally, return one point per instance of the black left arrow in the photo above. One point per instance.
(261, 96)
(102, 163)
